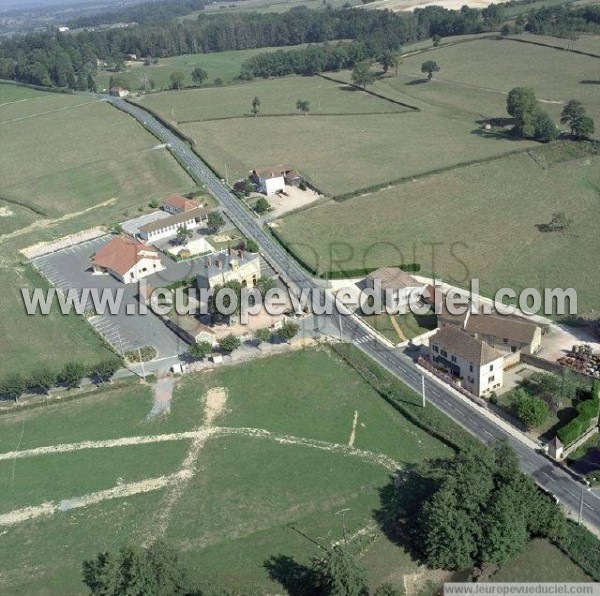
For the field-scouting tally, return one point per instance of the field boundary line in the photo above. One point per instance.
(46, 223)
(202, 434)
(373, 93)
(121, 490)
(549, 45)
(292, 115)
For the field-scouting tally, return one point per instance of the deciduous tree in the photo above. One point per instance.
(429, 67)
(199, 75)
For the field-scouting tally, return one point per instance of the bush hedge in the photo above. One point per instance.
(582, 547)
(395, 392)
(586, 411)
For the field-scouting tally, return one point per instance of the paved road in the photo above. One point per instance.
(571, 493)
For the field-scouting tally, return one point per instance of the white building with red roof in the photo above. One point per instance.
(127, 259)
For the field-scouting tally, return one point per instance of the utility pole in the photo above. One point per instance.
(423, 388)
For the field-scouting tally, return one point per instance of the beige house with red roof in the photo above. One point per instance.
(479, 366)
(127, 259)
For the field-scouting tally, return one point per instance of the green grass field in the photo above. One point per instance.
(277, 97)
(70, 164)
(483, 222)
(29, 342)
(233, 519)
(337, 153)
(541, 562)
(80, 153)
(476, 76)
(223, 65)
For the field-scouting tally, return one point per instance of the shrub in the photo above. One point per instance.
(72, 374)
(587, 410)
(531, 410)
(13, 386)
(229, 343)
(582, 547)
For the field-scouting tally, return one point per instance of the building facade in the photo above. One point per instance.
(126, 259)
(479, 366)
(168, 226)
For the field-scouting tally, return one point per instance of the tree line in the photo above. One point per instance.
(42, 379)
(70, 59)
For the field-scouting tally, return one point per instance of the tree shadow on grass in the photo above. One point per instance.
(417, 82)
(400, 503)
(297, 579)
(589, 82)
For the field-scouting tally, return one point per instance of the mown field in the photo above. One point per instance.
(69, 153)
(481, 220)
(277, 97)
(69, 164)
(476, 76)
(235, 512)
(337, 153)
(233, 519)
(218, 65)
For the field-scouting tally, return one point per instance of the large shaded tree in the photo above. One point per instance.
(483, 510)
(135, 570)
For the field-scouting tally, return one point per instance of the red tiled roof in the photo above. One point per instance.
(122, 253)
(182, 203)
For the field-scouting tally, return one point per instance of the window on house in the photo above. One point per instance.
(435, 349)
(505, 340)
(513, 349)
(491, 367)
(453, 358)
(492, 379)
(444, 353)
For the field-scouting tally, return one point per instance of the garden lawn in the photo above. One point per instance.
(482, 219)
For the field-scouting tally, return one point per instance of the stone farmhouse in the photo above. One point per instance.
(126, 259)
(230, 265)
(118, 92)
(478, 365)
(397, 285)
(508, 334)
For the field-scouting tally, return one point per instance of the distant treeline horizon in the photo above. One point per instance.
(70, 60)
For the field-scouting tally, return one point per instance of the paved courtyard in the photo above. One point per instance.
(127, 329)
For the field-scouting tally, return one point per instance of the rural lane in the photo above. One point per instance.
(571, 493)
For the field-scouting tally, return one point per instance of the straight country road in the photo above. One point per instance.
(572, 494)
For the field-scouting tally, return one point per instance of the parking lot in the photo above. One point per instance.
(127, 329)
